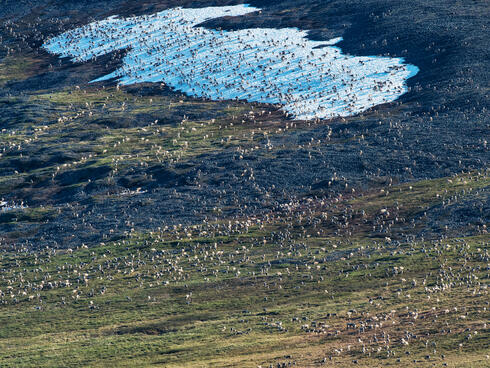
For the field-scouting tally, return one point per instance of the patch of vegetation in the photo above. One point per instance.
(15, 68)
(247, 293)
(31, 215)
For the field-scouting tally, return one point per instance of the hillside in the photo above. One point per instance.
(140, 225)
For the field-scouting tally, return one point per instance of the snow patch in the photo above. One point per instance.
(309, 79)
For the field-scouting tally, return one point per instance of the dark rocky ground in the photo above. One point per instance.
(437, 129)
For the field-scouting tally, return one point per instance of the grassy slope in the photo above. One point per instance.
(248, 293)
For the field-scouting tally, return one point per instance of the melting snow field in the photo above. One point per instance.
(277, 66)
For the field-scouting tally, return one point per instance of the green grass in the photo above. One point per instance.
(214, 295)
(15, 68)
